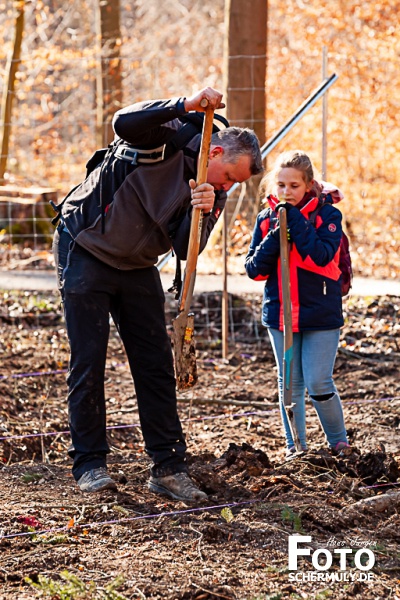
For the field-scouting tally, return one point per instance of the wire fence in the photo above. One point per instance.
(26, 221)
(244, 315)
(244, 320)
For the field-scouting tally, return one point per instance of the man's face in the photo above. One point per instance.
(222, 175)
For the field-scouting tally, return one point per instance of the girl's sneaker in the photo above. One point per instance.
(291, 452)
(341, 449)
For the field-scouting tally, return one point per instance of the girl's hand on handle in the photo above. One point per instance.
(213, 98)
(203, 196)
(286, 205)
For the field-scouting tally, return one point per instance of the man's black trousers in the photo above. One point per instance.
(92, 291)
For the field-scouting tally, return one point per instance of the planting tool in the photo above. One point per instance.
(183, 324)
(287, 327)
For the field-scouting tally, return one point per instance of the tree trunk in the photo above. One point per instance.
(9, 87)
(109, 78)
(245, 63)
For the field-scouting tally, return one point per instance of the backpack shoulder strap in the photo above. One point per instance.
(192, 125)
(180, 139)
(323, 199)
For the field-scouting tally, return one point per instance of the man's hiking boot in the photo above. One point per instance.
(178, 487)
(96, 480)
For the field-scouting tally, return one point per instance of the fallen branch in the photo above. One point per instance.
(376, 503)
(387, 358)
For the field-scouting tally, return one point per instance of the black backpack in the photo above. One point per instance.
(192, 125)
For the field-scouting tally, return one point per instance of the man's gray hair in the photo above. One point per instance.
(237, 142)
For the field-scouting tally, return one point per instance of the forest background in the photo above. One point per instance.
(175, 48)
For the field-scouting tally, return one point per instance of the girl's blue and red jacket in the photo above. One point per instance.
(315, 277)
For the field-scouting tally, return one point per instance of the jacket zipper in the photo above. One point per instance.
(324, 288)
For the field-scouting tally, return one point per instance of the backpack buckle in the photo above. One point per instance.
(136, 156)
(134, 159)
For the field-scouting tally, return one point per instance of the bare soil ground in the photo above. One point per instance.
(137, 545)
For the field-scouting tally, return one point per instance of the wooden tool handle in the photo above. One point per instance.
(285, 275)
(287, 328)
(197, 213)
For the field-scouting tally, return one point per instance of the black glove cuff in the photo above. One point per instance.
(285, 205)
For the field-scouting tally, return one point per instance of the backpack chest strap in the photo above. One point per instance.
(134, 156)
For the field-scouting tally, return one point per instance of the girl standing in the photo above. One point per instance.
(315, 280)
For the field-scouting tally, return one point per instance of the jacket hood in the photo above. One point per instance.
(329, 188)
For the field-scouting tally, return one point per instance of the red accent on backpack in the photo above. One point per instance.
(345, 264)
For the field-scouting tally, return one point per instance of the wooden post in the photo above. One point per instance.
(9, 87)
(324, 116)
(245, 63)
(109, 76)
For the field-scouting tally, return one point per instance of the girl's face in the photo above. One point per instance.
(291, 186)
